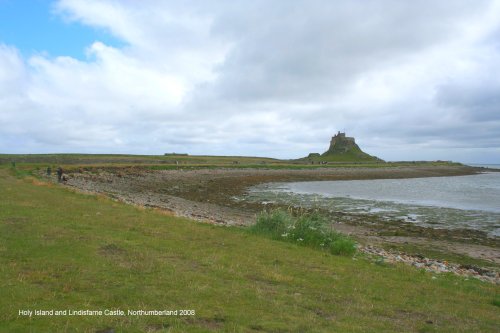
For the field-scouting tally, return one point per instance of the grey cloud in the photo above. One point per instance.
(475, 101)
(264, 78)
(293, 50)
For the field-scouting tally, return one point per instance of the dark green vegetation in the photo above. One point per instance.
(64, 250)
(306, 229)
(355, 155)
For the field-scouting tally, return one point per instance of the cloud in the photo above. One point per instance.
(263, 78)
(12, 73)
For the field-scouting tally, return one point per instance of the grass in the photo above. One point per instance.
(62, 250)
(306, 229)
(21, 172)
(128, 160)
(72, 161)
(496, 301)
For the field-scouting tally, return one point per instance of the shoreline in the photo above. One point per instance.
(210, 195)
(215, 189)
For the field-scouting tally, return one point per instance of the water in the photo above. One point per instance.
(489, 166)
(470, 202)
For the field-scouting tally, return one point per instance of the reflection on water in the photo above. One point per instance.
(471, 202)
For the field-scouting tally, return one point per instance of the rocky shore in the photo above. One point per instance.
(214, 196)
(431, 265)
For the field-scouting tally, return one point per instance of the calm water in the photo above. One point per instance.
(490, 166)
(471, 202)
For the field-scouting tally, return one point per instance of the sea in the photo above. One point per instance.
(464, 202)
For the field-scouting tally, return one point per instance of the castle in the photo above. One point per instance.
(342, 135)
(342, 149)
(341, 143)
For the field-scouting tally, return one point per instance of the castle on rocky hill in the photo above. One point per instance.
(341, 143)
(342, 149)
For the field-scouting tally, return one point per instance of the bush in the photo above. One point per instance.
(307, 229)
(343, 245)
(274, 223)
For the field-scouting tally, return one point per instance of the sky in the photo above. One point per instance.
(410, 80)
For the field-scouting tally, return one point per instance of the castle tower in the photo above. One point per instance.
(341, 143)
(343, 149)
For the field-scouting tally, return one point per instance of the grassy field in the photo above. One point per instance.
(61, 250)
(70, 161)
(158, 162)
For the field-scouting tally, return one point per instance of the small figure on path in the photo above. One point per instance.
(49, 171)
(59, 173)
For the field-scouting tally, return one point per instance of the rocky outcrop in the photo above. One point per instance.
(341, 144)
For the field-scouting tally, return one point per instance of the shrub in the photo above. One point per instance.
(307, 229)
(343, 245)
(272, 223)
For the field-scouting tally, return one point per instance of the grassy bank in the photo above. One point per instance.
(63, 250)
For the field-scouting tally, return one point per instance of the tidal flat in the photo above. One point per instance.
(223, 196)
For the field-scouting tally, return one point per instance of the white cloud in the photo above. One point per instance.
(112, 82)
(409, 80)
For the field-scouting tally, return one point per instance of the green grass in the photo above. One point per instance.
(496, 301)
(64, 250)
(306, 229)
(129, 160)
(21, 172)
(73, 161)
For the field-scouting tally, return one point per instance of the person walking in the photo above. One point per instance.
(59, 173)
